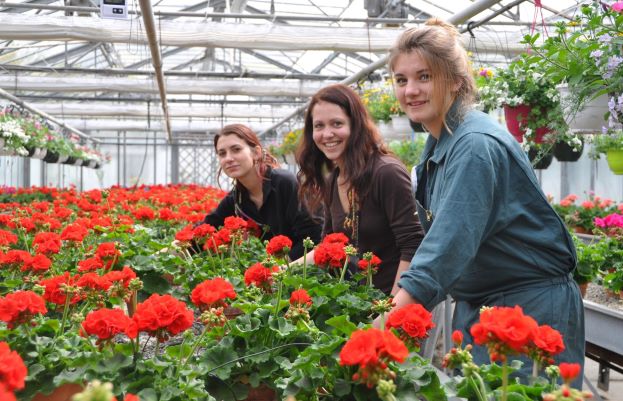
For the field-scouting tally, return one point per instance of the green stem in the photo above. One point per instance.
(65, 313)
(369, 275)
(279, 293)
(304, 262)
(255, 354)
(477, 389)
(504, 381)
(192, 351)
(343, 273)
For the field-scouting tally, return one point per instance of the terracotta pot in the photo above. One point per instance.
(581, 230)
(64, 392)
(583, 288)
(512, 117)
(261, 393)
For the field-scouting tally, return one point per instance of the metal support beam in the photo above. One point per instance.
(456, 19)
(150, 30)
(25, 105)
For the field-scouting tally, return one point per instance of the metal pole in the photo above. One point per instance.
(456, 19)
(156, 60)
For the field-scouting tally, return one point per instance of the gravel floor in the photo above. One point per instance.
(597, 294)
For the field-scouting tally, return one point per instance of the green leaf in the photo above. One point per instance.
(153, 283)
(148, 394)
(342, 324)
(342, 387)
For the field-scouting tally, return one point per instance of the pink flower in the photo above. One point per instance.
(618, 6)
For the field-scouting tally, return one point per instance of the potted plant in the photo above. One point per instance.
(610, 143)
(530, 101)
(381, 102)
(12, 136)
(585, 56)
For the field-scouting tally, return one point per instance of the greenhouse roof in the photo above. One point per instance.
(249, 61)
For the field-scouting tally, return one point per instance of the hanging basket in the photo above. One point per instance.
(70, 160)
(565, 153)
(51, 157)
(615, 161)
(590, 118)
(515, 115)
(544, 161)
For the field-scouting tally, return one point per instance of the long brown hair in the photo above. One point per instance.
(250, 138)
(362, 146)
(439, 44)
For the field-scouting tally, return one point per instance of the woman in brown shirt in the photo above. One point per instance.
(366, 191)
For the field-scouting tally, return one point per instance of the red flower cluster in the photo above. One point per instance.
(185, 234)
(47, 242)
(56, 289)
(330, 254)
(221, 237)
(144, 213)
(506, 330)
(300, 297)
(107, 251)
(279, 246)
(74, 232)
(234, 223)
(7, 238)
(161, 316)
(20, 306)
(212, 293)
(569, 371)
(260, 276)
(25, 261)
(369, 264)
(203, 230)
(412, 322)
(106, 324)
(90, 264)
(12, 372)
(371, 350)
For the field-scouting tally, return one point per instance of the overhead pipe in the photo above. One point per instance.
(456, 19)
(45, 115)
(150, 30)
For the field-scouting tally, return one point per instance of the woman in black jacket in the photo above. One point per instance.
(262, 193)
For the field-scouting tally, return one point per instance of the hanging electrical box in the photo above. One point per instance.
(114, 9)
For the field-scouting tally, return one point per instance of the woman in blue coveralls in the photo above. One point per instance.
(492, 239)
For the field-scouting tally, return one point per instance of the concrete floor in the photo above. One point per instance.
(615, 390)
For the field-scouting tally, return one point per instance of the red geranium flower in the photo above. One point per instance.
(234, 223)
(335, 238)
(330, 254)
(212, 293)
(105, 323)
(504, 330)
(203, 230)
(300, 297)
(20, 306)
(7, 238)
(90, 264)
(107, 251)
(279, 245)
(144, 213)
(12, 369)
(371, 264)
(54, 291)
(412, 322)
(569, 371)
(47, 242)
(5, 394)
(259, 276)
(38, 263)
(161, 316)
(74, 232)
(15, 258)
(549, 340)
(371, 350)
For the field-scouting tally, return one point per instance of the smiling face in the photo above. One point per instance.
(414, 89)
(236, 157)
(331, 130)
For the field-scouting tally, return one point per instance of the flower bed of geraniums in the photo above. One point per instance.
(86, 294)
(72, 269)
(581, 217)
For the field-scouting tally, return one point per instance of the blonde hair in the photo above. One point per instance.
(439, 44)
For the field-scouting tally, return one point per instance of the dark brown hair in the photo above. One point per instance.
(250, 138)
(362, 146)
